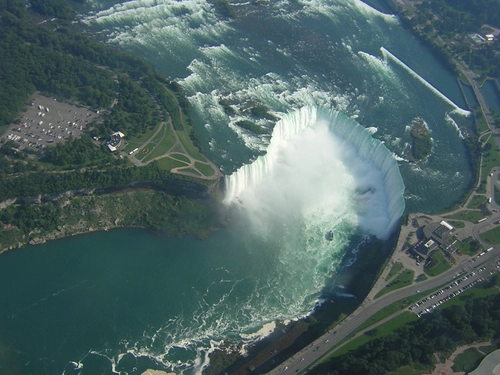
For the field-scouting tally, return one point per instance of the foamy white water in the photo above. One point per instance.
(320, 163)
(275, 264)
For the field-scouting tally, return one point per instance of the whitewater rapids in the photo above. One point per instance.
(323, 168)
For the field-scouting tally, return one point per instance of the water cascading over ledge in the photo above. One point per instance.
(378, 194)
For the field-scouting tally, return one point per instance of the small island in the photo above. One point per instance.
(421, 145)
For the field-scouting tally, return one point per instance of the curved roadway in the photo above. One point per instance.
(314, 351)
(304, 358)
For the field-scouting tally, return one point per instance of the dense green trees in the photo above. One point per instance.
(135, 111)
(54, 8)
(51, 57)
(35, 57)
(32, 184)
(415, 344)
(421, 141)
(77, 153)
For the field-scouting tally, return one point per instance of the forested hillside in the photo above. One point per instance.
(52, 58)
(415, 344)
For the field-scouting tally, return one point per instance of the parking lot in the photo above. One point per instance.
(47, 122)
(465, 279)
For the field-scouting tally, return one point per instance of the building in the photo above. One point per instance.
(490, 365)
(115, 142)
(437, 235)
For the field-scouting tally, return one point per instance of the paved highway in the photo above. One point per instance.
(319, 347)
(325, 343)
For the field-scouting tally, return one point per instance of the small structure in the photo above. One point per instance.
(439, 235)
(490, 365)
(476, 38)
(449, 226)
(115, 142)
(490, 37)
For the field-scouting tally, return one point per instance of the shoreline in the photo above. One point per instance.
(140, 208)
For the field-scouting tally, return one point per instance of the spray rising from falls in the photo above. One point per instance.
(320, 162)
(459, 110)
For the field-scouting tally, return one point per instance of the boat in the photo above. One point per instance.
(329, 236)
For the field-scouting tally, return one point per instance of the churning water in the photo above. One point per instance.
(346, 80)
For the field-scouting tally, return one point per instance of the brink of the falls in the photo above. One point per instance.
(320, 162)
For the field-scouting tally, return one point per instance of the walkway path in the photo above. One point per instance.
(177, 148)
(446, 368)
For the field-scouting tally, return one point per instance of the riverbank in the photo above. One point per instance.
(342, 295)
(172, 216)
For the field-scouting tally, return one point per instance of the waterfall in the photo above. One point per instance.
(369, 154)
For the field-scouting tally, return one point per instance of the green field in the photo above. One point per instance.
(191, 150)
(206, 169)
(168, 163)
(481, 123)
(490, 160)
(180, 157)
(456, 224)
(467, 215)
(438, 264)
(488, 349)
(139, 141)
(465, 247)
(380, 331)
(421, 277)
(396, 267)
(151, 145)
(492, 236)
(190, 170)
(162, 147)
(404, 279)
(467, 361)
(477, 201)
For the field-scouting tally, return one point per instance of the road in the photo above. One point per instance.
(325, 343)
(310, 354)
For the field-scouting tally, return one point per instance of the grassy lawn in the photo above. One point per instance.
(138, 141)
(206, 169)
(456, 224)
(438, 264)
(406, 317)
(151, 145)
(467, 215)
(492, 236)
(475, 292)
(465, 247)
(467, 361)
(490, 160)
(162, 147)
(488, 349)
(180, 157)
(186, 142)
(420, 278)
(477, 201)
(481, 123)
(381, 331)
(190, 170)
(404, 279)
(168, 163)
(398, 266)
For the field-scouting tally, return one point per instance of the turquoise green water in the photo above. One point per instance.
(86, 304)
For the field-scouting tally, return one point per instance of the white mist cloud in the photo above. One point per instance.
(314, 180)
